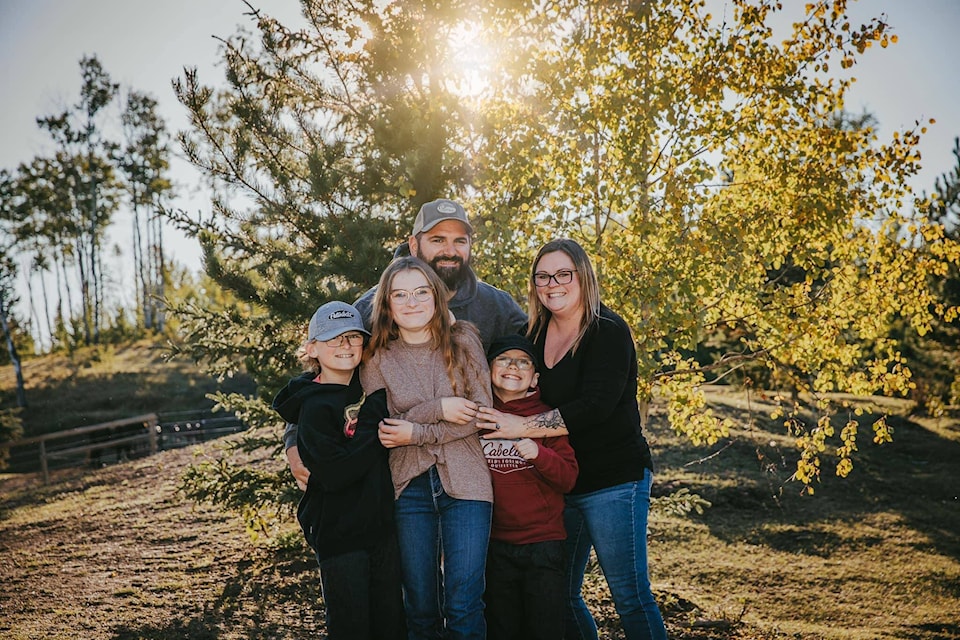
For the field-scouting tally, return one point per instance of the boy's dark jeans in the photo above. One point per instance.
(362, 594)
(525, 596)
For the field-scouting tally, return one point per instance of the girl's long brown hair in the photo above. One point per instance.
(385, 329)
(589, 290)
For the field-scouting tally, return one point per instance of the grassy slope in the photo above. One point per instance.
(98, 384)
(876, 555)
(119, 554)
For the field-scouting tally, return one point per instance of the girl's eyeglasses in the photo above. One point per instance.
(352, 339)
(542, 278)
(402, 296)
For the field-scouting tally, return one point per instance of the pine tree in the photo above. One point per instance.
(8, 298)
(85, 155)
(320, 152)
(935, 357)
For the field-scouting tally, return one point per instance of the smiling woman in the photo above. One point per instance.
(589, 376)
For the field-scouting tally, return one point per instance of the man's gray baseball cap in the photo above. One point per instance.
(333, 319)
(436, 211)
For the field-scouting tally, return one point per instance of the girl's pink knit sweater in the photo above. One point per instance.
(415, 378)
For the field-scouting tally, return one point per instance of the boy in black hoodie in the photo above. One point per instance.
(346, 512)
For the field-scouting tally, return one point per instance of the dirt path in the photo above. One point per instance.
(119, 554)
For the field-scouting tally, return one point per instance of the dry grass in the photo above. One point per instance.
(876, 555)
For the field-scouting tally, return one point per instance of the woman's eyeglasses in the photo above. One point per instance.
(352, 339)
(524, 364)
(402, 296)
(542, 278)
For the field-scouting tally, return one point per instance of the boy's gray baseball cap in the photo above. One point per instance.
(333, 319)
(436, 211)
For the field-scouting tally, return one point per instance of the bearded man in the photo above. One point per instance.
(443, 237)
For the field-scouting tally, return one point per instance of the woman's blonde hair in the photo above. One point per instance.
(441, 328)
(589, 290)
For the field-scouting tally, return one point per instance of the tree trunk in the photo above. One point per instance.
(66, 318)
(160, 293)
(96, 276)
(87, 307)
(60, 322)
(150, 269)
(12, 349)
(46, 306)
(139, 269)
(95, 266)
(34, 317)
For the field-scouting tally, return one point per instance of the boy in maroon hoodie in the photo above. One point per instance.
(525, 593)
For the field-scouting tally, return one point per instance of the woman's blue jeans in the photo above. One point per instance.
(613, 522)
(443, 551)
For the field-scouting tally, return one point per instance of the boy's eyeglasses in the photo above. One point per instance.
(352, 339)
(542, 278)
(402, 296)
(524, 364)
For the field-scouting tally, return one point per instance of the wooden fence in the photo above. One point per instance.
(130, 435)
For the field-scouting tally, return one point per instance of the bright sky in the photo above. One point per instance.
(144, 44)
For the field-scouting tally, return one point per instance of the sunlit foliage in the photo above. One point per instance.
(709, 166)
(742, 222)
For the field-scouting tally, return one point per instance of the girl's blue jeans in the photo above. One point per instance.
(442, 601)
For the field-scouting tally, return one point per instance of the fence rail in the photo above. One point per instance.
(148, 422)
(117, 439)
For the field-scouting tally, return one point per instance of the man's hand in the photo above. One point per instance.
(300, 473)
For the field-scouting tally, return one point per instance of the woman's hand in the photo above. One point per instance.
(498, 424)
(395, 432)
(458, 410)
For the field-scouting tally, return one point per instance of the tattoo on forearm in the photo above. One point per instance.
(550, 420)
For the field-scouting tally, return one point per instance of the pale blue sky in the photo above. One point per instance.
(143, 44)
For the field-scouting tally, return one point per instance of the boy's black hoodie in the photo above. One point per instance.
(348, 504)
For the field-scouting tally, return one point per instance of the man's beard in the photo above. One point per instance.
(453, 277)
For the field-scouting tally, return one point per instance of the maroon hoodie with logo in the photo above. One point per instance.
(528, 494)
